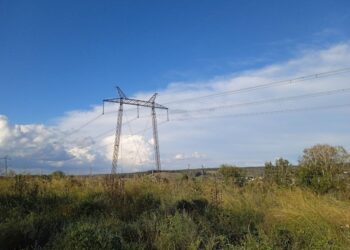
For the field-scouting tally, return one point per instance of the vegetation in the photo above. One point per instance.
(233, 173)
(218, 210)
(321, 168)
(281, 173)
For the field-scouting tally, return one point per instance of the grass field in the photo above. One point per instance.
(168, 211)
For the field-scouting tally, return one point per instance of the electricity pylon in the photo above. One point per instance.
(6, 158)
(122, 99)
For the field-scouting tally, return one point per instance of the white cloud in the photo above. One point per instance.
(4, 130)
(179, 157)
(198, 155)
(37, 144)
(134, 150)
(194, 155)
(229, 139)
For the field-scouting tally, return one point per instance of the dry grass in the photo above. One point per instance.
(301, 218)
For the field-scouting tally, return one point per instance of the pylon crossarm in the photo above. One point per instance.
(136, 102)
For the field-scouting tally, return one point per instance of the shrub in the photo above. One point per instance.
(84, 235)
(284, 239)
(58, 174)
(234, 225)
(21, 185)
(176, 232)
(236, 174)
(196, 205)
(91, 206)
(131, 206)
(130, 233)
(148, 227)
(33, 230)
(281, 173)
(321, 168)
(184, 177)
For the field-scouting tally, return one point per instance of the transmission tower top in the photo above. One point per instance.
(125, 100)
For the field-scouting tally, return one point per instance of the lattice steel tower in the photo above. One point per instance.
(127, 101)
(6, 158)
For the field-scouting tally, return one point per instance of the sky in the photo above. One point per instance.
(60, 59)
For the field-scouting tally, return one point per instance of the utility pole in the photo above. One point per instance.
(6, 158)
(123, 100)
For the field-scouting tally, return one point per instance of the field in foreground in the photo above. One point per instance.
(167, 211)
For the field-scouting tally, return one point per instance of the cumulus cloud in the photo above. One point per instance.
(134, 151)
(4, 130)
(207, 131)
(39, 145)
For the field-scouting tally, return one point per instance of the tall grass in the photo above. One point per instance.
(168, 212)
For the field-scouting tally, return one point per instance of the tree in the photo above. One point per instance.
(321, 167)
(281, 173)
(233, 173)
(58, 174)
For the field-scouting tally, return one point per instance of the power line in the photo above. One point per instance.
(137, 132)
(330, 92)
(95, 137)
(130, 129)
(275, 83)
(252, 88)
(250, 114)
(139, 145)
(99, 135)
(226, 116)
(280, 99)
(73, 131)
(124, 123)
(266, 112)
(235, 115)
(108, 144)
(269, 84)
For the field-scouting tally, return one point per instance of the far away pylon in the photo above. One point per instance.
(122, 99)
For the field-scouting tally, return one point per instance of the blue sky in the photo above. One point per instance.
(59, 59)
(63, 55)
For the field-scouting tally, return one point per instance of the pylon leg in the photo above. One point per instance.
(117, 139)
(155, 139)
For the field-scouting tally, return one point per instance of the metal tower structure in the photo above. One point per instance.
(122, 99)
(6, 158)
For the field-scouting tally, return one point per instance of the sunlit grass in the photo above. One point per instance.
(147, 214)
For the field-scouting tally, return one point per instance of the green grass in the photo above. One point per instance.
(168, 211)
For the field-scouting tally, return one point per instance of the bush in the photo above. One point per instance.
(234, 225)
(84, 235)
(281, 173)
(321, 168)
(284, 239)
(92, 206)
(33, 230)
(131, 206)
(196, 205)
(176, 232)
(236, 174)
(58, 174)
